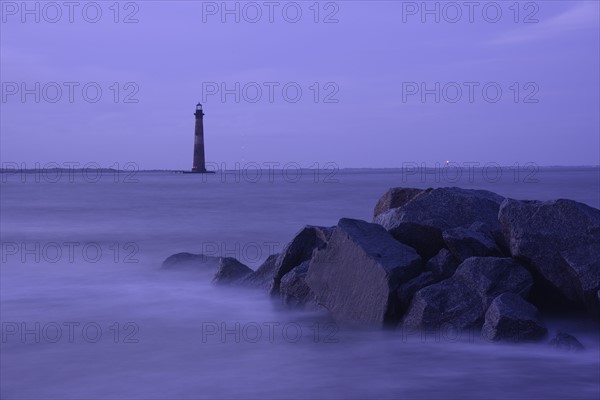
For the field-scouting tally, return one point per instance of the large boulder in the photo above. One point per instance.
(191, 262)
(299, 250)
(462, 300)
(356, 276)
(394, 198)
(447, 303)
(294, 290)
(491, 276)
(263, 277)
(230, 270)
(420, 221)
(466, 242)
(407, 290)
(443, 264)
(511, 318)
(560, 239)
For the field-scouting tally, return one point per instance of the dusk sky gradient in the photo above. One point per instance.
(368, 54)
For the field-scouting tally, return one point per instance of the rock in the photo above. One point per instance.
(230, 270)
(564, 341)
(560, 239)
(443, 264)
(465, 242)
(356, 276)
(492, 276)
(462, 300)
(420, 221)
(445, 304)
(394, 198)
(191, 262)
(297, 251)
(511, 318)
(294, 290)
(407, 290)
(263, 277)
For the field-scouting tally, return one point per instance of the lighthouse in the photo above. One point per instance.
(199, 163)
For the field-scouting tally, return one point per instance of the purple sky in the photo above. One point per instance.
(373, 55)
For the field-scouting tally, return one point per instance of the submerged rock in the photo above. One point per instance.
(294, 290)
(564, 341)
(230, 270)
(511, 318)
(191, 262)
(357, 274)
(561, 240)
(463, 299)
(420, 221)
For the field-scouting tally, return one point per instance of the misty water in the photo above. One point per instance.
(87, 313)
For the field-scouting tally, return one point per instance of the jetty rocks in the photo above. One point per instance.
(468, 259)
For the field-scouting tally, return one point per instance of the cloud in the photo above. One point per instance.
(582, 15)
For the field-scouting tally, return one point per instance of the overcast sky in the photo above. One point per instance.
(361, 67)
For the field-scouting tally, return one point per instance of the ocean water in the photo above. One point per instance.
(86, 312)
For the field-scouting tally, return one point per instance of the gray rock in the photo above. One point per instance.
(465, 242)
(264, 275)
(462, 300)
(564, 341)
(443, 264)
(420, 221)
(356, 276)
(299, 250)
(294, 290)
(230, 270)
(445, 304)
(561, 241)
(491, 276)
(407, 290)
(511, 318)
(394, 198)
(191, 262)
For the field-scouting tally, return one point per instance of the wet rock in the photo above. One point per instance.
(443, 264)
(356, 276)
(511, 318)
(191, 262)
(466, 242)
(462, 300)
(491, 276)
(294, 290)
(394, 198)
(560, 239)
(448, 303)
(564, 341)
(420, 221)
(264, 275)
(230, 270)
(299, 250)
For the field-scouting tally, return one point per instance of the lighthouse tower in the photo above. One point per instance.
(199, 164)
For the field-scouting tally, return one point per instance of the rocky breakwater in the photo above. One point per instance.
(468, 259)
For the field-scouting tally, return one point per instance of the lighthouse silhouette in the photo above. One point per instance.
(199, 165)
